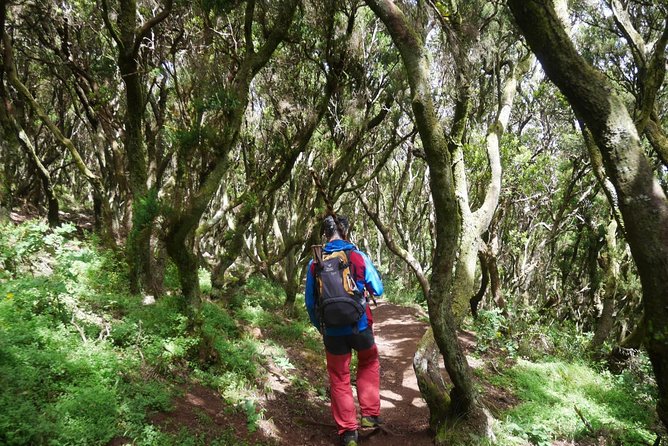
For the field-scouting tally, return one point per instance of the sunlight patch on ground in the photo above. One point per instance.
(390, 395)
(418, 402)
(194, 400)
(268, 428)
(388, 399)
(475, 363)
(410, 381)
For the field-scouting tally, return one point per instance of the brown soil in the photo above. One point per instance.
(294, 414)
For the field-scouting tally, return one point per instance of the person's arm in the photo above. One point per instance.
(368, 276)
(309, 295)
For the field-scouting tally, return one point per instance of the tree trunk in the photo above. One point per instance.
(465, 404)
(291, 278)
(139, 240)
(611, 273)
(484, 281)
(53, 209)
(475, 224)
(187, 265)
(642, 201)
(494, 277)
(430, 381)
(128, 36)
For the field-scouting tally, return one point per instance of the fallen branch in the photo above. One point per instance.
(80, 330)
(584, 420)
(362, 432)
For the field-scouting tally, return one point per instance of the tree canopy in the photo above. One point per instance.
(492, 156)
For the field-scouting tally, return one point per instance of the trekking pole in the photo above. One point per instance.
(370, 296)
(317, 253)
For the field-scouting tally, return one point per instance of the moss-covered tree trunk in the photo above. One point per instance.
(476, 223)
(465, 405)
(185, 217)
(642, 201)
(186, 263)
(139, 240)
(430, 381)
(605, 322)
(128, 35)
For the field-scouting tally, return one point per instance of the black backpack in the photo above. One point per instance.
(338, 300)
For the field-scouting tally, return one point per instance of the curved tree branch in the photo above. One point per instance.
(146, 28)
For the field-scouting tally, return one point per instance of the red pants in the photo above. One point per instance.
(368, 386)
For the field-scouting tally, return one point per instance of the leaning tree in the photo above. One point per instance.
(641, 199)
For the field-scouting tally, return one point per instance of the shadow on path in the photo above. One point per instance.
(293, 414)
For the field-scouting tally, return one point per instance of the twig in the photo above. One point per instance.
(584, 420)
(80, 330)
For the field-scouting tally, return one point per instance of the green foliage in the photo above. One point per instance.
(18, 246)
(549, 393)
(152, 436)
(253, 415)
(62, 382)
(530, 336)
(490, 327)
(75, 348)
(146, 208)
(397, 291)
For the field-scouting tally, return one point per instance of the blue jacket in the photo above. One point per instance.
(366, 277)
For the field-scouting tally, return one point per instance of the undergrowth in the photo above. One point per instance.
(83, 362)
(562, 394)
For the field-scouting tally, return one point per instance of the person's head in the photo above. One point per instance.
(335, 227)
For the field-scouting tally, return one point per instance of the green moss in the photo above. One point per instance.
(549, 393)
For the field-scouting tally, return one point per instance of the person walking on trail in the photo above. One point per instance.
(338, 282)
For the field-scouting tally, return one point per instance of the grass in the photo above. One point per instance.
(550, 391)
(82, 361)
(550, 377)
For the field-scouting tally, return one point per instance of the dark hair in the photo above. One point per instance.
(328, 226)
(332, 224)
(343, 226)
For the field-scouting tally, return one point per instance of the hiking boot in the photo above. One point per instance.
(349, 438)
(367, 422)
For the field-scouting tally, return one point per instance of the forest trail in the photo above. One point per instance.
(294, 416)
(397, 330)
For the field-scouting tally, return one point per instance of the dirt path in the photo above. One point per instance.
(293, 415)
(397, 330)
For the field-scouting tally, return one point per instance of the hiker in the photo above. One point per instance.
(341, 336)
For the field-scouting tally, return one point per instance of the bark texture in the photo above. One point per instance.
(465, 404)
(642, 202)
(431, 384)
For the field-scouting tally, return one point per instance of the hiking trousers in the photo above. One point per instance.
(339, 353)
